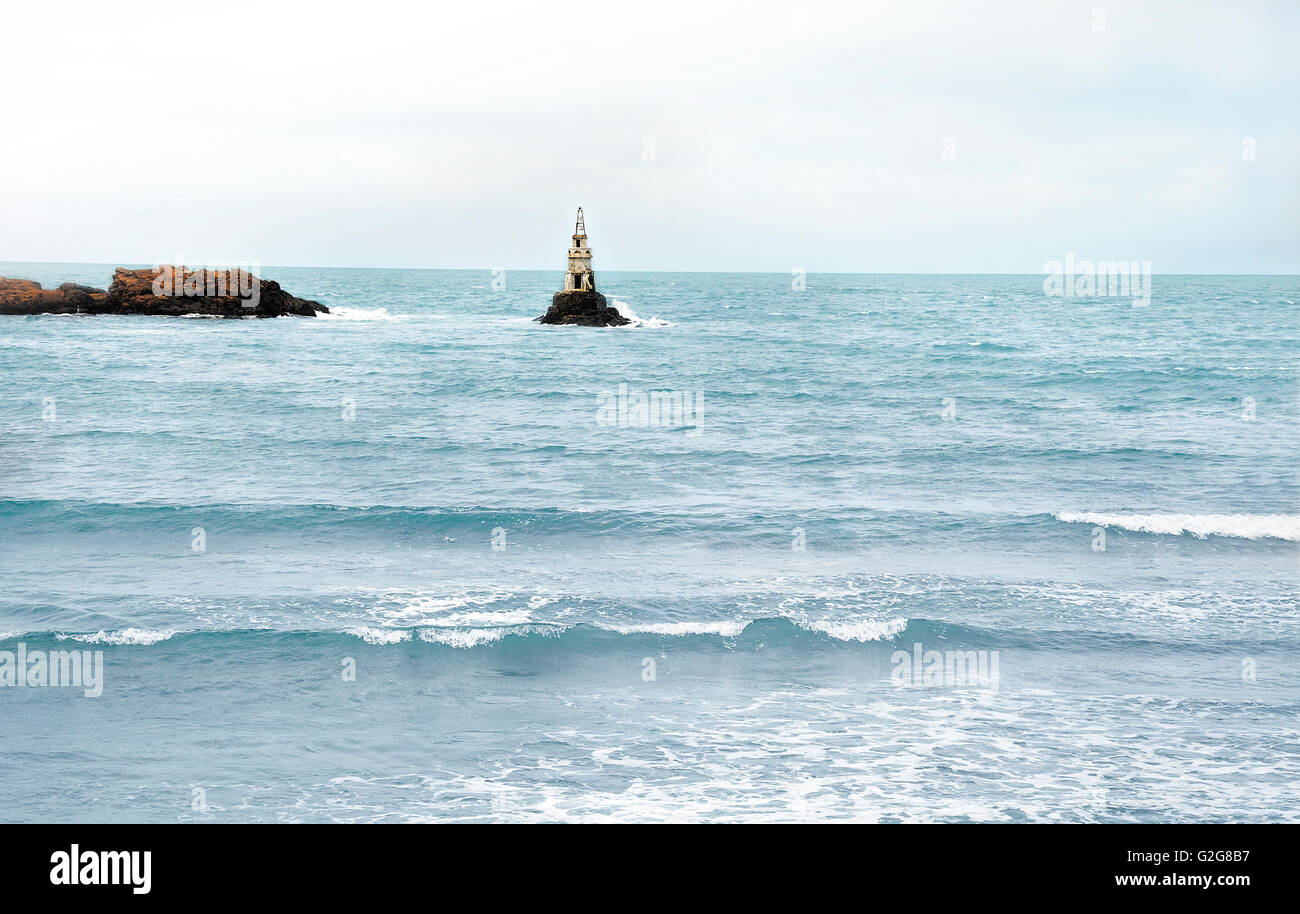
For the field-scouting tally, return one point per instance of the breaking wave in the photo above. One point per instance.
(732, 633)
(120, 637)
(1240, 526)
(651, 322)
(356, 314)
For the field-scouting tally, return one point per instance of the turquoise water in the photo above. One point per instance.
(554, 617)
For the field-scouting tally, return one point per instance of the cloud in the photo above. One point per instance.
(464, 135)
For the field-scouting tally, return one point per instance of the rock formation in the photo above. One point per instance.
(579, 303)
(584, 308)
(164, 290)
(23, 296)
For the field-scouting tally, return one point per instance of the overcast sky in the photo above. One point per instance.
(697, 136)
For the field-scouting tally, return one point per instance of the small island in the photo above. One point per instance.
(579, 304)
(170, 291)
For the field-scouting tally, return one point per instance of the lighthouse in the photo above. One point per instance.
(579, 277)
(578, 304)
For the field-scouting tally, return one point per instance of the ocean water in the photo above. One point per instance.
(407, 562)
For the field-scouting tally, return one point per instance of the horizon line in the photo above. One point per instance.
(559, 270)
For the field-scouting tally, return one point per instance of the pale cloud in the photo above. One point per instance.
(464, 135)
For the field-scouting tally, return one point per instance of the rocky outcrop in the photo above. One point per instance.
(585, 308)
(23, 296)
(170, 290)
(165, 290)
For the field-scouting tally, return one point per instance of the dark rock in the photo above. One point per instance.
(585, 308)
(164, 290)
(82, 296)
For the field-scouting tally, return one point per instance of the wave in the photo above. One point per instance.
(356, 314)
(372, 635)
(728, 628)
(473, 637)
(729, 633)
(1239, 526)
(651, 323)
(137, 636)
(472, 525)
(859, 630)
(466, 524)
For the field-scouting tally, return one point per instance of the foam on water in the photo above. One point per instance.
(727, 628)
(1243, 526)
(859, 630)
(626, 310)
(476, 637)
(372, 635)
(135, 636)
(356, 314)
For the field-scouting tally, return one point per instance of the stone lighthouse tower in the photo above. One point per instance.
(578, 302)
(579, 278)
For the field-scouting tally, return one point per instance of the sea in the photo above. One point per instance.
(885, 548)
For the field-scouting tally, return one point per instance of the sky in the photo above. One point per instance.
(859, 137)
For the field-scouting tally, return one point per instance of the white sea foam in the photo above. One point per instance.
(860, 630)
(356, 314)
(380, 635)
(482, 619)
(414, 609)
(626, 310)
(120, 637)
(729, 628)
(463, 637)
(473, 637)
(1241, 526)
